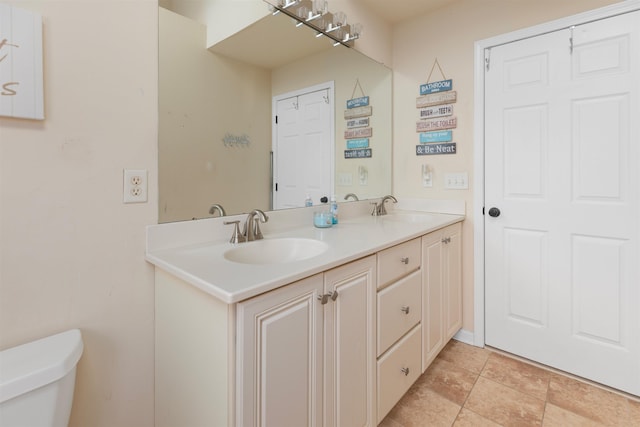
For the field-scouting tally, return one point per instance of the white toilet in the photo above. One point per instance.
(37, 381)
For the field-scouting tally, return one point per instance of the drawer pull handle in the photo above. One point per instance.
(446, 240)
(405, 371)
(404, 260)
(405, 309)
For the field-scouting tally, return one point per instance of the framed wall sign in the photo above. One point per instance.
(21, 78)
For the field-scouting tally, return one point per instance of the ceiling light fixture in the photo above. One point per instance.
(315, 14)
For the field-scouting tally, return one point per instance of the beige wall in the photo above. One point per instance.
(72, 254)
(204, 96)
(448, 34)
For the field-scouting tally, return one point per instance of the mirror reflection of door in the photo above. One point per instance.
(303, 146)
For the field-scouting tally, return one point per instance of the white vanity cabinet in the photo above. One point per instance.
(306, 351)
(338, 347)
(442, 289)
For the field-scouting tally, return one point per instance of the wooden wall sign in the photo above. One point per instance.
(358, 154)
(358, 123)
(441, 86)
(436, 124)
(436, 111)
(358, 112)
(21, 81)
(436, 99)
(434, 149)
(358, 143)
(363, 101)
(438, 136)
(358, 133)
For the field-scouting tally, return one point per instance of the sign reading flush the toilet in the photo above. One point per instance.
(21, 84)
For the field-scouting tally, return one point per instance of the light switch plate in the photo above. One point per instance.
(456, 181)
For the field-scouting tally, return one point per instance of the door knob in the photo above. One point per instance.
(494, 212)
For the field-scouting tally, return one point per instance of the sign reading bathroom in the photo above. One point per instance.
(436, 124)
(363, 101)
(438, 136)
(361, 153)
(358, 123)
(358, 143)
(358, 133)
(358, 112)
(436, 111)
(441, 86)
(21, 83)
(436, 99)
(434, 149)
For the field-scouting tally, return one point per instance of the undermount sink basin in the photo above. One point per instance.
(276, 251)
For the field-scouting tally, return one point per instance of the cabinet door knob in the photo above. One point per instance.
(405, 309)
(446, 240)
(334, 295)
(405, 371)
(324, 298)
(404, 260)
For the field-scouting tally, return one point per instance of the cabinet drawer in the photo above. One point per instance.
(399, 309)
(398, 370)
(398, 261)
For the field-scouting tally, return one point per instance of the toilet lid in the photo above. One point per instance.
(38, 363)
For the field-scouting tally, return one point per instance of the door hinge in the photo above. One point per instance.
(487, 58)
(571, 40)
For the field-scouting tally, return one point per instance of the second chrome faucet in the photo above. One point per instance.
(251, 230)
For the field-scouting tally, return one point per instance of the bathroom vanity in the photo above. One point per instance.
(333, 337)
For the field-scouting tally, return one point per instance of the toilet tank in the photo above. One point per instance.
(37, 381)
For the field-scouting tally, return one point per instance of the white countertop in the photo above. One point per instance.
(204, 266)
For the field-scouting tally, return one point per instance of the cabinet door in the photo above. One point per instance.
(279, 363)
(452, 266)
(433, 297)
(350, 353)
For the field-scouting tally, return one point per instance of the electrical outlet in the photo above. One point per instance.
(135, 186)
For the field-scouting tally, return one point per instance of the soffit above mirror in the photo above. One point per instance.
(262, 43)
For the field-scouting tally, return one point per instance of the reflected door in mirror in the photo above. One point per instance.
(303, 147)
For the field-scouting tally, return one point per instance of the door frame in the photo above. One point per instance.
(330, 87)
(478, 137)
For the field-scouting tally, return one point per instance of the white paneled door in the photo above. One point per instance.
(562, 190)
(303, 148)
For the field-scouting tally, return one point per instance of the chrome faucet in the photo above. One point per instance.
(252, 225)
(217, 207)
(379, 208)
(352, 196)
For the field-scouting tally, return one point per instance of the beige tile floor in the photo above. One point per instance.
(470, 386)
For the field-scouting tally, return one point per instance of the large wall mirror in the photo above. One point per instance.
(216, 113)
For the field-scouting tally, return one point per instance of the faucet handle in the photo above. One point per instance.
(376, 209)
(237, 236)
(257, 233)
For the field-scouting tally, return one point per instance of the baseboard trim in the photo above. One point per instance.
(464, 336)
